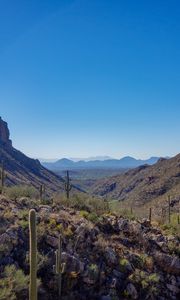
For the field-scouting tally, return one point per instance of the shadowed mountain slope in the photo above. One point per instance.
(21, 169)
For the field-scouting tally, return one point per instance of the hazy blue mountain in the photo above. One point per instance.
(125, 162)
(92, 158)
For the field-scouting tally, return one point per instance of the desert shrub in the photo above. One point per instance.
(83, 202)
(149, 282)
(146, 261)
(174, 247)
(23, 214)
(19, 191)
(83, 213)
(116, 207)
(8, 216)
(93, 217)
(93, 271)
(24, 224)
(13, 283)
(67, 232)
(3, 250)
(23, 218)
(123, 264)
(172, 228)
(41, 261)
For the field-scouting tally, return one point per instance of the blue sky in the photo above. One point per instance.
(91, 77)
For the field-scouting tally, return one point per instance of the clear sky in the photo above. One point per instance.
(91, 77)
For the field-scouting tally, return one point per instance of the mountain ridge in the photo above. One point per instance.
(124, 162)
(143, 184)
(20, 169)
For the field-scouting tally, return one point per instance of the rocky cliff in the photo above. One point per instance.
(21, 169)
(4, 133)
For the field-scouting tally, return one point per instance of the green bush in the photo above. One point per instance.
(83, 202)
(13, 283)
(149, 282)
(19, 191)
(172, 228)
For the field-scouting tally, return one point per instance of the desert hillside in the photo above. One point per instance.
(21, 169)
(104, 256)
(145, 184)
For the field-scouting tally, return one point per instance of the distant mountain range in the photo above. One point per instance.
(91, 158)
(123, 163)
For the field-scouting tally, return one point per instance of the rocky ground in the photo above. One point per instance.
(106, 257)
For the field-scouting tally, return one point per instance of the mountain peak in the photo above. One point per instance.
(4, 133)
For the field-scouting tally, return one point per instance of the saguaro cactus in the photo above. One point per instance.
(33, 255)
(2, 176)
(41, 191)
(59, 268)
(150, 214)
(169, 209)
(68, 186)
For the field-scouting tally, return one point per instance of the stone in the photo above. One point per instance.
(123, 225)
(146, 223)
(52, 241)
(45, 208)
(106, 297)
(72, 264)
(91, 274)
(132, 291)
(110, 256)
(168, 263)
(173, 288)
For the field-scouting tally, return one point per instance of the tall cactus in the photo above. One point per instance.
(41, 191)
(68, 186)
(33, 255)
(59, 267)
(2, 176)
(169, 208)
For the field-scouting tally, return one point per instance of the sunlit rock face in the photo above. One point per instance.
(4, 133)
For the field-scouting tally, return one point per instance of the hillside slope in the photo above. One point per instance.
(143, 184)
(21, 169)
(104, 258)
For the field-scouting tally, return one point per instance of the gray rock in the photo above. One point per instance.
(132, 291)
(52, 241)
(168, 263)
(173, 288)
(72, 264)
(110, 256)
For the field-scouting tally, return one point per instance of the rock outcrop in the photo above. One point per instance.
(20, 169)
(4, 133)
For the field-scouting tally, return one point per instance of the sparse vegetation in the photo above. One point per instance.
(99, 245)
(13, 284)
(16, 192)
(83, 202)
(149, 282)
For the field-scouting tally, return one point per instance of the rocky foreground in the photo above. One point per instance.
(106, 257)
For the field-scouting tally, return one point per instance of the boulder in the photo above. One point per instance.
(132, 291)
(72, 264)
(52, 241)
(110, 256)
(168, 263)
